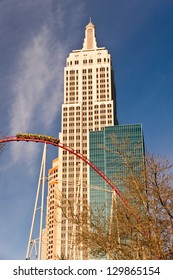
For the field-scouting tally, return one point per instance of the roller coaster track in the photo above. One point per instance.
(84, 159)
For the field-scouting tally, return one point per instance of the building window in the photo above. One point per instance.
(72, 72)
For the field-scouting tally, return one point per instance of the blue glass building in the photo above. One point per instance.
(117, 151)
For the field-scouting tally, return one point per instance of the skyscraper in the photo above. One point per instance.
(89, 117)
(89, 105)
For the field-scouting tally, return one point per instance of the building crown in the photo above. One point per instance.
(90, 39)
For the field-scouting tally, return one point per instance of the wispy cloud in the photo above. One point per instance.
(36, 88)
(32, 83)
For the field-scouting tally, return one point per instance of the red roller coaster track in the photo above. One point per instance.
(83, 158)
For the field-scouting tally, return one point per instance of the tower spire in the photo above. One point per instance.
(90, 39)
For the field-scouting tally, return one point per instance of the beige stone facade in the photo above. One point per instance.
(89, 105)
(52, 218)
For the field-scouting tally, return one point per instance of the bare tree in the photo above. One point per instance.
(148, 188)
(160, 202)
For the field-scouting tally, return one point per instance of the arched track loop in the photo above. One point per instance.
(84, 159)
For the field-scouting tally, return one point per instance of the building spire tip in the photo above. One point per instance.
(90, 23)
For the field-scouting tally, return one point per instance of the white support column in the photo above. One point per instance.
(40, 191)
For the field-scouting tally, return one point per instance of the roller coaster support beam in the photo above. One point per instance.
(40, 191)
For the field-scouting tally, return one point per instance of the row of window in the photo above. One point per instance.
(71, 138)
(87, 103)
(89, 87)
(72, 124)
(72, 99)
(71, 108)
(87, 98)
(72, 92)
(84, 71)
(72, 72)
(102, 81)
(102, 91)
(78, 130)
(77, 113)
(86, 61)
(72, 78)
(103, 96)
(84, 77)
(72, 88)
(103, 116)
(71, 114)
(71, 83)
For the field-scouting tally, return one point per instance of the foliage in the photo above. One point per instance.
(149, 191)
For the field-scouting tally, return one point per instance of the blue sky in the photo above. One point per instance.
(35, 39)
